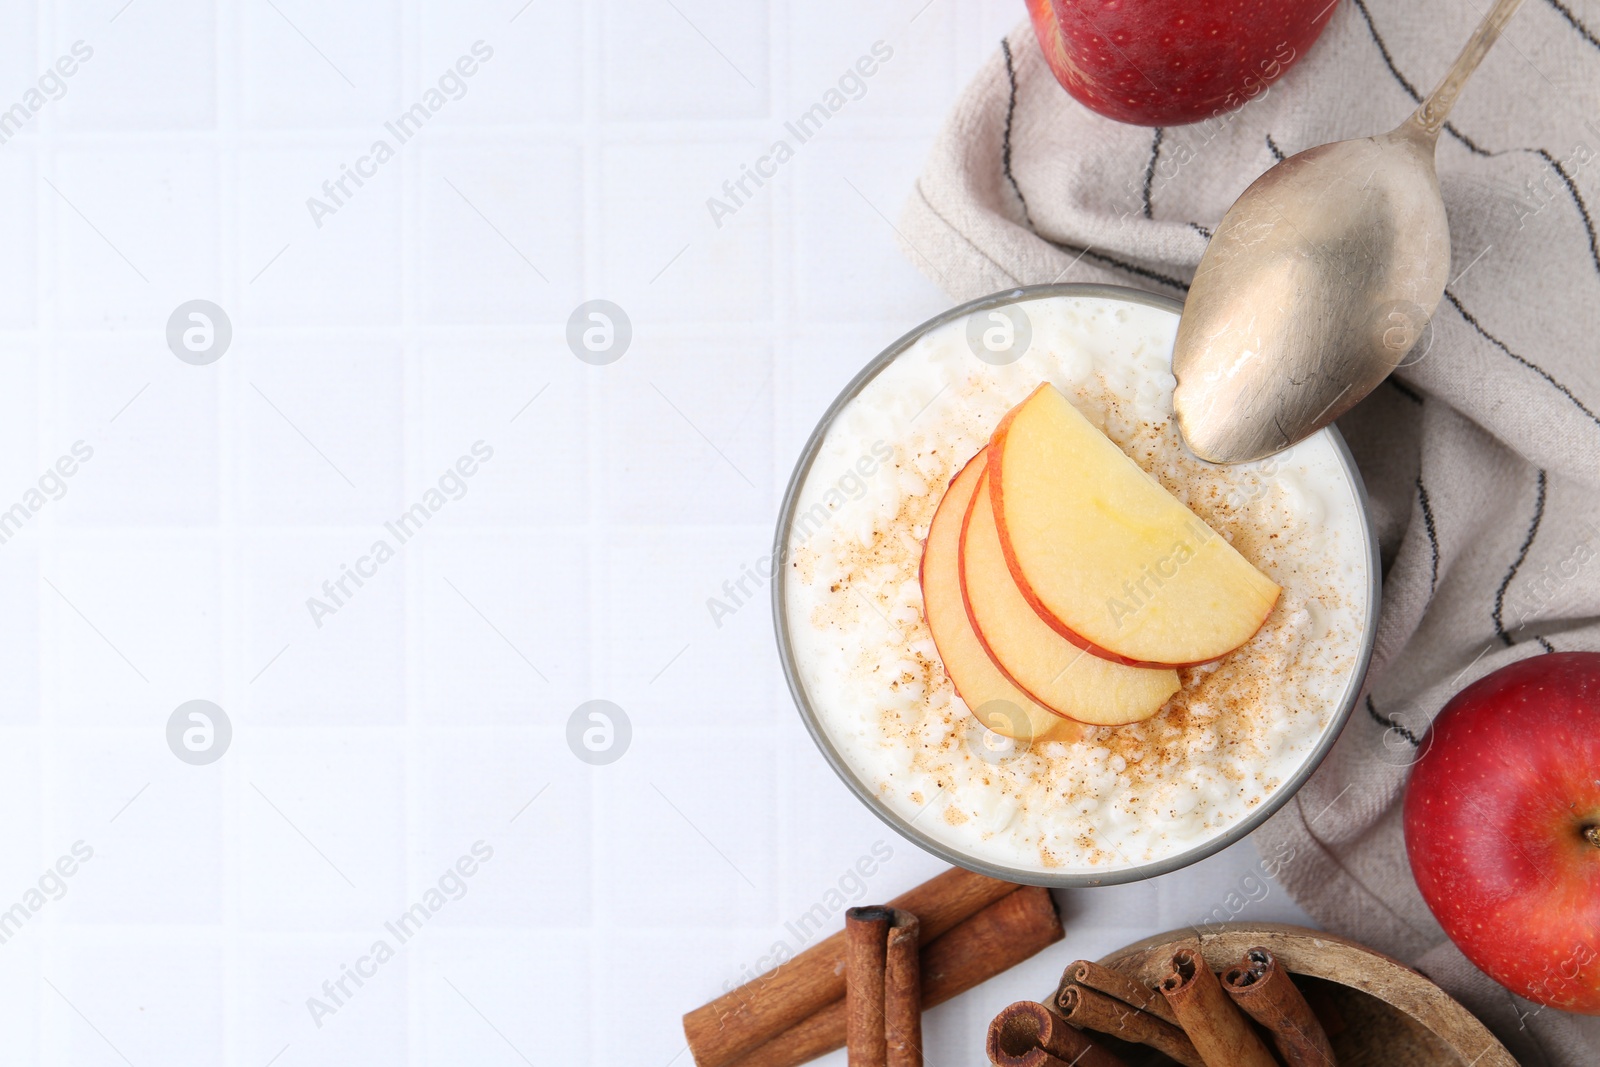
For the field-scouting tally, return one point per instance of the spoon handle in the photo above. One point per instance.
(1436, 108)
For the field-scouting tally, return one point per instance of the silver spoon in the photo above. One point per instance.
(1319, 280)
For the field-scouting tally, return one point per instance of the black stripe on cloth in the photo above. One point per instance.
(1433, 533)
(1516, 564)
(1201, 230)
(1120, 264)
(1405, 390)
(1384, 720)
(1473, 146)
(1410, 89)
(1005, 163)
(1005, 142)
(1577, 198)
(1566, 13)
(1150, 170)
(1548, 647)
(1540, 371)
(1277, 153)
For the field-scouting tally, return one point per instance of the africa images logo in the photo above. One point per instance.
(451, 885)
(452, 485)
(852, 85)
(451, 85)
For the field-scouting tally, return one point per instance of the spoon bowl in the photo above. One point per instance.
(1318, 281)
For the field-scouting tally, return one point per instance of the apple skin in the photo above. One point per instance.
(996, 454)
(1114, 704)
(1169, 62)
(969, 665)
(997, 445)
(1502, 827)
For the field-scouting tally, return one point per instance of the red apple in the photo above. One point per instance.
(1502, 823)
(1167, 62)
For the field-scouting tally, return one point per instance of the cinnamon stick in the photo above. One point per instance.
(1116, 984)
(1093, 1010)
(1221, 1034)
(1265, 992)
(866, 933)
(1031, 1035)
(994, 940)
(743, 1019)
(902, 992)
(990, 943)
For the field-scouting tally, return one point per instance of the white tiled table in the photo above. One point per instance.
(425, 314)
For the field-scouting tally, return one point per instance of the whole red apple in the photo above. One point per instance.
(1502, 823)
(1167, 62)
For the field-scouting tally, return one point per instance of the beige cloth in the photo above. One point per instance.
(1483, 457)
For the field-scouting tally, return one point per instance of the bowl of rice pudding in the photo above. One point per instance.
(1068, 802)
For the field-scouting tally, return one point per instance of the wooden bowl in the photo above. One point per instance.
(1393, 1015)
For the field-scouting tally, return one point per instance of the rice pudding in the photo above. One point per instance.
(1099, 799)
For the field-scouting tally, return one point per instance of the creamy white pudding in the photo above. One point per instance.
(1236, 731)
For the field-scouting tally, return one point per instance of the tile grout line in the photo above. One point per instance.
(597, 938)
(781, 221)
(227, 374)
(414, 435)
(51, 1038)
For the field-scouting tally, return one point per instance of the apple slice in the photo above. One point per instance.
(994, 700)
(1056, 673)
(1110, 559)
